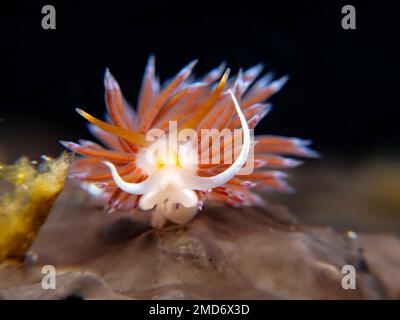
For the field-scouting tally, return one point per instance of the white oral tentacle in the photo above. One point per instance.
(132, 188)
(205, 183)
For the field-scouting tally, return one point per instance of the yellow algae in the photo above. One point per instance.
(25, 209)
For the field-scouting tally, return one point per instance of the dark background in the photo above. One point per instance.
(342, 94)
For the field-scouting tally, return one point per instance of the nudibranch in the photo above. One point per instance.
(137, 167)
